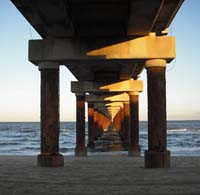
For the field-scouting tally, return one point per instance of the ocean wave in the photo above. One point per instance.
(9, 144)
(29, 148)
(177, 130)
(28, 130)
(24, 138)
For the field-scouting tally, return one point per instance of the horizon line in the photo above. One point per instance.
(87, 121)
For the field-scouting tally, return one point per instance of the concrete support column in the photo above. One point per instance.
(91, 135)
(134, 147)
(157, 155)
(80, 149)
(122, 122)
(50, 156)
(118, 120)
(126, 132)
(99, 124)
(95, 124)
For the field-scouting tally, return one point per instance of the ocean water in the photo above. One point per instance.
(23, 138)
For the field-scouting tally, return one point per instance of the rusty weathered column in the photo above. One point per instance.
(118, 120)
(134, 147)
(126, 132)
(99, 124)
(91, 132)
(80, 149)
(122, 123)
(95, 124)
(157, 155)
(50, 156)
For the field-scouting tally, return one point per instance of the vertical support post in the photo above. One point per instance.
(157, 155)
(80, 149)
(99, 124)
(126, 133)
(118, 120)
(122, 123)
(134, 147)
(50, 156)
(95, 124)
(102, 122)
(91, 135)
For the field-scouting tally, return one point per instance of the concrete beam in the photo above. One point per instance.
(124, 86)
(68, 50)
(114, 105)
(113, 111)
(104, 111)
(107, 98)
(110, 110)
(99, 105)
(147, 47)
(92, 87)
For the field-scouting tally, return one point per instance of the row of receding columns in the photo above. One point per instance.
(129, 110)
(151, 50)
(156, 155)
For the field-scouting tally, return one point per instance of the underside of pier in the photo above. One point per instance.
(106, 44)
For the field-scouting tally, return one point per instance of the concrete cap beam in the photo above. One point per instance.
(92, 87)
(68, 50)
(115, 104)
(147, 47)
(124, 86)
(107, 98)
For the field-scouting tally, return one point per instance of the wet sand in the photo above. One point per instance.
(99, 175)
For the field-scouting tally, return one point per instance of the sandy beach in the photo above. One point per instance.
(99, 175)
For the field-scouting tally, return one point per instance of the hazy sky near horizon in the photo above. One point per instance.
(20, 80)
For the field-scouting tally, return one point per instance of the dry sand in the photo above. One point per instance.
(99, 175)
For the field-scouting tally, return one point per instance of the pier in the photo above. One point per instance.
(106, 45)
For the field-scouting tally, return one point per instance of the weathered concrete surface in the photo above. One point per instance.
(80, 149)
(50, 156)
(147, 47)
(99, 175)
(91, 125)
(126, 132)
(50, 111)
(102, 88)
(134, 147)
(157, 154)
(107, 98)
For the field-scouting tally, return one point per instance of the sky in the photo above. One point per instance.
(20, 80)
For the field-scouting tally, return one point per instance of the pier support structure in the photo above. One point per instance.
(126, 133)
(101, 118)
(80, 149)
(134, 147)
(156, 52)
(91, 131)
(118, 120)
(109, 96)
(157, 155)
(50, 156)
(122, 122)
